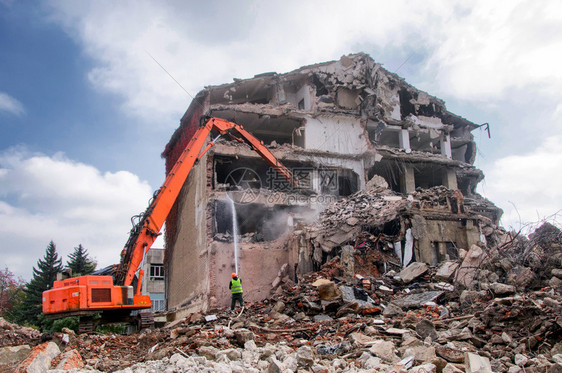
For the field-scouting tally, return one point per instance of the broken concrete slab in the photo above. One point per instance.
(347, 260)
(403, 365)
(392, 310)
(13, 354)
(396, 331)
(362, 340)
(451, 368)
(70, 360)
(319, 318)
(352, 294)
(520, 360)
(421, 353)
(446, 271)
(413, 271)
(468, 297)
(521, 277)
(305, 356)
(328, 291)
(500, 289)
(555, 283)
(476, 364)
(444, 286)
(210, 318)
(450, 353)
(209, 352)
(384, 350)
(425, 328)
(243, 335)
(424, 368)
(417, 300)
(39, 359)
(556, 349)
(467, 271)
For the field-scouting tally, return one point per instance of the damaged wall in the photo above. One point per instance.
(440, 240)
(338, 134)
(187, 259)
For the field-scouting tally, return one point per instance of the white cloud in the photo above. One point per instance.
(491, 47)
(502, 55)
(474, 51)
(529, 186)
(45, 198)
(201, 47)
(10, 105)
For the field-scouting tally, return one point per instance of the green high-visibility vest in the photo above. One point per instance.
(236, 286)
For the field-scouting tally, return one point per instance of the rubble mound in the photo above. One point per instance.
(356, 218)
(14, 335)
(329, 323)
(527, 263)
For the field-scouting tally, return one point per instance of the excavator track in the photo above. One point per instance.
(86, 325)
(145, 320)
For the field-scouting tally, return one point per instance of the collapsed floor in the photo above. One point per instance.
(492, 309)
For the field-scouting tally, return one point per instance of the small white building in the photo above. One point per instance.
(154, 283)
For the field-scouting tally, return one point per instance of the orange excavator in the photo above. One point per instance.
(115, 296)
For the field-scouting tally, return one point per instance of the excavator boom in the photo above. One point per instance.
(95, 293)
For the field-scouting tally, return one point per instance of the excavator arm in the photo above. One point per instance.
(147, 230)
(86, 294)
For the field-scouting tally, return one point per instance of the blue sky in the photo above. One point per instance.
(85, 112)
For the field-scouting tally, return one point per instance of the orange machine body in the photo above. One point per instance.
(99, 293)
(91, 293)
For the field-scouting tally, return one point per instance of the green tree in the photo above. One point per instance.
(43, 277)
(80, 263)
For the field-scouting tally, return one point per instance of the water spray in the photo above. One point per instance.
(234, 233)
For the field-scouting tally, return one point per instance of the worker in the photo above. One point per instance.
(235, 287)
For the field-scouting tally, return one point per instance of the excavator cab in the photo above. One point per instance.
(92, 293)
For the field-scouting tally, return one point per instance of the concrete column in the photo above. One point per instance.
(446, 146)
(450, 179)
(404, 140)
(407, 181)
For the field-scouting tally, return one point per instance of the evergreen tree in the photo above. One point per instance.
(43, 277)
(80, 263)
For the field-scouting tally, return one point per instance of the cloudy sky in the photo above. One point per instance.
(85, 111)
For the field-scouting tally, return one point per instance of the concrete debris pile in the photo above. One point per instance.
(429, 225)
(13, 334)
(526, 263)
(419, 319)
(345, 220)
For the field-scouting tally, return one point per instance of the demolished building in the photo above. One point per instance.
(380, 167)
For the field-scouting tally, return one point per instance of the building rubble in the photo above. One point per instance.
(378, 218)
(420, 318)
